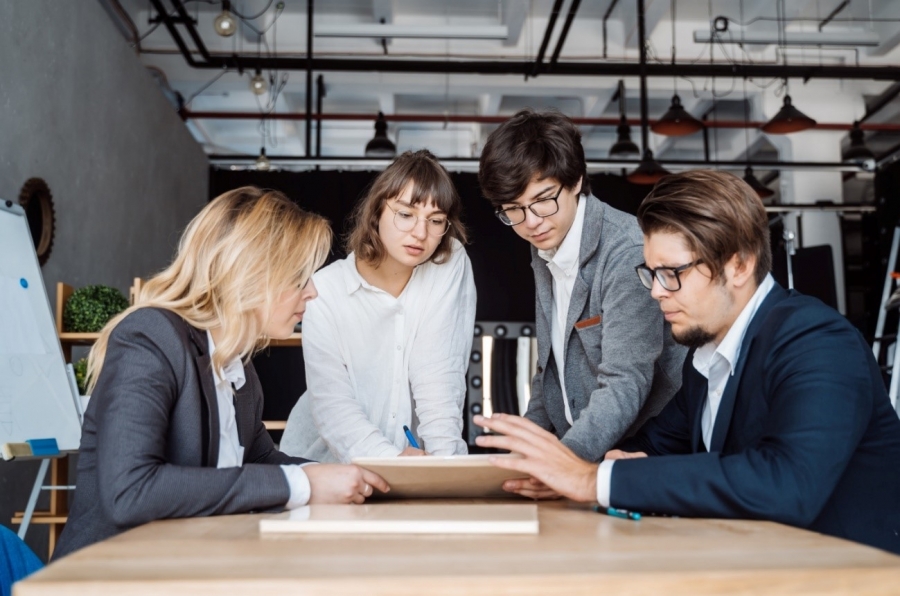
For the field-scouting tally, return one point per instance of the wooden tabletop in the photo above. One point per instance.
(576, 552)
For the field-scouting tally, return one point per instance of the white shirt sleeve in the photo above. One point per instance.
(440, 355)
(340, 418)
(298, 482)
(604, 479)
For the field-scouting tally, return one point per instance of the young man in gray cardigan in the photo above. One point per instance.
(606, 358)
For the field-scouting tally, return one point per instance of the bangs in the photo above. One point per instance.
(429, 184)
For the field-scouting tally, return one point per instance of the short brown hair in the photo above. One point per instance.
(531, 145)
(718, 214)
(430, 182)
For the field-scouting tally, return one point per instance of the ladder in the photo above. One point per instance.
(890, 280)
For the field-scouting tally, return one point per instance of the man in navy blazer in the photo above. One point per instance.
(782, 414)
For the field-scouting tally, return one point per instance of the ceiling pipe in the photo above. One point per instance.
(489, 67)
(480, 119)
(834, 13)
(565, 32)
(551, 24)
(612, 6)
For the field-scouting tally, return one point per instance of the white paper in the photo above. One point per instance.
(19, 333)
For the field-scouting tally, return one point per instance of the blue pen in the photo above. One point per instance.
(412, 439)
(615, 512)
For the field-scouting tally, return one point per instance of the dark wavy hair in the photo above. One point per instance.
(430, 182)
(531, 145)
(718, 214)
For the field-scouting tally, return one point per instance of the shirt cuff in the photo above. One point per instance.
(298, 482)
(604, 478)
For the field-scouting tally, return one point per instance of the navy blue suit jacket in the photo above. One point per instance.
(805, 434)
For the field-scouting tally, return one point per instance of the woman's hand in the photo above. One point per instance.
(333, 483)
(412, 451)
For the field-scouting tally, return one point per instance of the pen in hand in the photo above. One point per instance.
(410, 437)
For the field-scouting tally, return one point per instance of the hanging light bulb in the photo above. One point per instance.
(258, 84)
(648, 171)
(225, 23)
(676, 122)
(858, 152)
(624, 147)
(380, 145)
(262, 162)
(761, 190)
(788, 119)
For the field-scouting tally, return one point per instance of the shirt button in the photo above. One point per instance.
(393, 414)
(399, 347)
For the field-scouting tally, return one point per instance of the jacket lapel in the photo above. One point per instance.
(209, 406)
(726, 406)
(590, 242)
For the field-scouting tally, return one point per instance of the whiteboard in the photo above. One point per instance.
(36, 400)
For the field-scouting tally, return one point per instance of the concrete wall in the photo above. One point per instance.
(79, 110)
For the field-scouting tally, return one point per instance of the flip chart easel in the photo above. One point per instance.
(37, 402)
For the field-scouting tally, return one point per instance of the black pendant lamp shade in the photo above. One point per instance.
(648, 171)
(624, 147)
(788, 119)
(381, 145)
(761, 190)
(857, 151)
(676, 122)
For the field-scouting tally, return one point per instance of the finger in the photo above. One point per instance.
(358, 499)
(522, 446)
(367, 490)
(375, 480)
(515, 425)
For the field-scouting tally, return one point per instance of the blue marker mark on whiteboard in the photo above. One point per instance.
(24, 283)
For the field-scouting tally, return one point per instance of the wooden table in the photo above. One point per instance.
(576, 552)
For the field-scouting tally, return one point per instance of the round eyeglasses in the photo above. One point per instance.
(406, 221)
(513, 216)
(668, 277)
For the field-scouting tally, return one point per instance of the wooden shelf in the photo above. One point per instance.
(78, 339)
(40, 517)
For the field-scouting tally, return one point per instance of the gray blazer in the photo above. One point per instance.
(150, 440)
(621, 363)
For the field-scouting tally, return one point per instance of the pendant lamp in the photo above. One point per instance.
(648, 171)
(788, 119)
(858, 151)
(381, 145)
(624, 147)
(676, 122)
(761, 190)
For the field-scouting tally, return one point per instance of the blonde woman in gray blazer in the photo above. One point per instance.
(174, 427)
(606, 358)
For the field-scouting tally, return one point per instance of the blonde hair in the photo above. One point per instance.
(234, 260)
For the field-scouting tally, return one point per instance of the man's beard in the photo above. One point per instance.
(694, 337)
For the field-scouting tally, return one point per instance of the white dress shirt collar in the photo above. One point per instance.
(565, 256)
(730, 347)
(232, 373)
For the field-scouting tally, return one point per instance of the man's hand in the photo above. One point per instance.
(619, 454)
(412, 451)
(531, 488)
(544, 458)
(333, 483)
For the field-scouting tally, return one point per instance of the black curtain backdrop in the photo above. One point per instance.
(501, 263)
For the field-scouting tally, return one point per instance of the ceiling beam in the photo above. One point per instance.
(513, 14)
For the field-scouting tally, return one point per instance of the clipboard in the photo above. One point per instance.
(435, 477)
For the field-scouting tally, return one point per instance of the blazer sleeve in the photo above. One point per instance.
(439, 356)
(136, 392)
(631, 343)
(820, 394)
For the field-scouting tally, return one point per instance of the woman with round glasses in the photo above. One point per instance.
(387, 343)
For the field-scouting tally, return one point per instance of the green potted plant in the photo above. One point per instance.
(89, 308)
(81, 375)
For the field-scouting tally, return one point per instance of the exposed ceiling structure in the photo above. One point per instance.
(445, 72)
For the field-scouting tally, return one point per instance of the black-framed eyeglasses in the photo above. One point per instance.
(513, 216)
(668, 277)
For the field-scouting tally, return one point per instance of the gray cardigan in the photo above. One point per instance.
(150, 440)
(620, 369)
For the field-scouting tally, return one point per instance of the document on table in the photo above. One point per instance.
(406, 518)
(430, 476)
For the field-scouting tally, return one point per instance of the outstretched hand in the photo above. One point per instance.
(558, 470)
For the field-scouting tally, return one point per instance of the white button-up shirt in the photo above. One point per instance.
(716, 363)
(375, 363)
(231, 453)
(562, 262)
